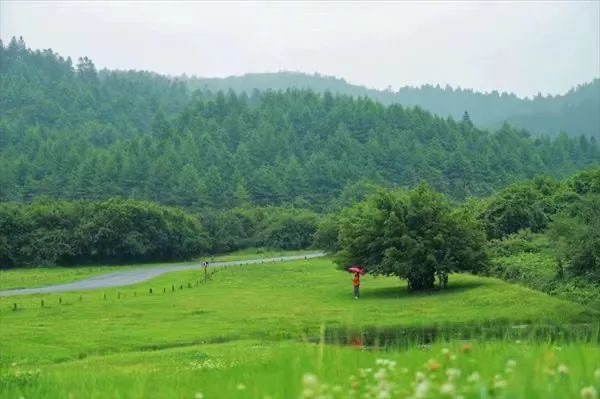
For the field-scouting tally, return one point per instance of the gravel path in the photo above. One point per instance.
(129, 277)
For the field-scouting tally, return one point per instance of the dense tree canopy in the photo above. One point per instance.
(49, 232)
(410, 234)
(72, 132)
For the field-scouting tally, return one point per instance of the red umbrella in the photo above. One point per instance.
(356, 269)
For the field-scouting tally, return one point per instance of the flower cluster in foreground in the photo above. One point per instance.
(440, 377)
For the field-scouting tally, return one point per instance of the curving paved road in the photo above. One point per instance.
(119, 279)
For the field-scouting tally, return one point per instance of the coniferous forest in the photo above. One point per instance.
(575, 112)
(69, 131)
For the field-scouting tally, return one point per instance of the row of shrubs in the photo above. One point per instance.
(50, 232)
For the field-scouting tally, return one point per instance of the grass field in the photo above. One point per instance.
(259, 327)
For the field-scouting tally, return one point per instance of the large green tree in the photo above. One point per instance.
(413, 234)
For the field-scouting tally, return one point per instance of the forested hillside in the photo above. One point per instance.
(72, 132)
(576, 112)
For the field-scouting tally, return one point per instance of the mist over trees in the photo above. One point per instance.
(70, 131)
(575, 112)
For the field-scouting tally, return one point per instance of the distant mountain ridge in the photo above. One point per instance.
(576, 112)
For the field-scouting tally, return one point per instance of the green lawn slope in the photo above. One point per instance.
(253, 331)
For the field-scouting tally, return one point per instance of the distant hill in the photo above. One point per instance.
(69, 131)
(576, 112)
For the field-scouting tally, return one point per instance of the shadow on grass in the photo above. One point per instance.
(403, 291)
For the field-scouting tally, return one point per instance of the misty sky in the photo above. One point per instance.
(521, 47)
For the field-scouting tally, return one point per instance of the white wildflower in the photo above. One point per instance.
(421, 390)
(380, 375)
(447, 388)
(310, 381)
(453, 374)
(499, 383)
(563, 369)
(474, 377)
(384, 395)
(589, 393)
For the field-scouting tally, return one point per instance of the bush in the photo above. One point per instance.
(576, 234)
(520, 206)
(290, 229)
(326, 237)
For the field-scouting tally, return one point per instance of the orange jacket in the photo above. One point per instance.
(356, 281)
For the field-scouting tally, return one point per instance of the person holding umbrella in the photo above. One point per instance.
(356, 279)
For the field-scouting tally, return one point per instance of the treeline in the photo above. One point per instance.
(49, 232)
(574, 112)
(546, 235)
(60, 232)
(541, 233)
(71, 132)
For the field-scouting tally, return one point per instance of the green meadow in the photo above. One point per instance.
(292, 329)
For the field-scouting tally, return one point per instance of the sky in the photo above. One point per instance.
(524, 47)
